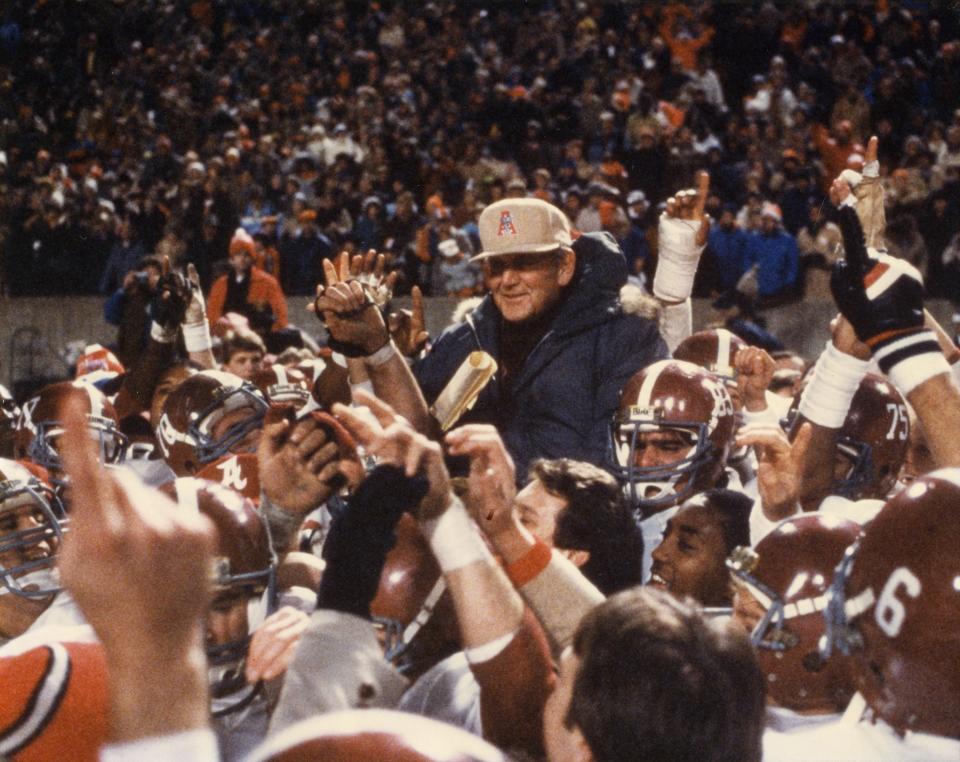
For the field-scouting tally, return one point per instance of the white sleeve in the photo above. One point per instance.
(198, 745)
(676, 323)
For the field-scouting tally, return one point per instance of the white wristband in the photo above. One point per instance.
(911, 359)
(454, 539)
(836, 378)
(160, 334)
(196, 336)
(678, 256)
(382, 355)
(488, 651)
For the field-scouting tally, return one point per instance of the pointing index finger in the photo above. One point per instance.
(703, 190)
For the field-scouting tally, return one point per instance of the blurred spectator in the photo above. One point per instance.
(727, 250)
(125, 256)
(939, 223)
(820, 245)
(248, 290)
(302, 249)
(635, 244)
(773, 252)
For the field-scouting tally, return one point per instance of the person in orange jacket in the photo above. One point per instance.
(248, 290)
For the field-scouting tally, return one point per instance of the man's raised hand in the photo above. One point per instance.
(350, 304)
(388, 436)
(684, 226)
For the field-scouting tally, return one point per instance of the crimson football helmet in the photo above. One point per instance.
(186, 432)
(894, 606)
(788, 574)
(39, 424)
(54, 703)
(359, 735)
(417, 619)
(874, 439)
(671, 395)
(282, 385)
(32, 523)
(329, 380)
(9, 414)
(244, 566)
(714, 349)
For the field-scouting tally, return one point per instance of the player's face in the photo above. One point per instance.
(227, 619)
(243, 364)
(17, 612)
(231, 418)
(663, 447)
(919, 459)
(538, 509)
(563, 744)
(525, 286)
(691, 558)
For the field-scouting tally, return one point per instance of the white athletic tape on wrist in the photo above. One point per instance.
(196, 337)
(911, 359)
(382, 355)
(162, 335)
(454, 539)
(678, 256)
(836, 378)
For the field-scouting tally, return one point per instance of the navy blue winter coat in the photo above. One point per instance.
(560, 402)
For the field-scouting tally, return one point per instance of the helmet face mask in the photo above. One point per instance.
(690, 411)
(39, 425)
(210, 447)
(860, 474)
(788, 575)
(769, 633)
(207, 416)
(871, 444)
(226, 661)
(28, 555)
(243, 577)
(673, 482)
(111, 443)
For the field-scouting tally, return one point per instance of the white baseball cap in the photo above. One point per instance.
(521, 226)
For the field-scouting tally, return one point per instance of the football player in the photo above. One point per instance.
(781, 593)
(669, 440)
(894, 609)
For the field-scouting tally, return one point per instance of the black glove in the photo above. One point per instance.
(361, 537)
(170, 301)
(896, 307)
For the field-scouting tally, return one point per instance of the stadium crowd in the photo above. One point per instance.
(161, 127)
(568, 527)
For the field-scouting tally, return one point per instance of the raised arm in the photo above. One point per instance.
(349, 305)
(682, 237)
(882, 299)
(506, 649)
(138, 567)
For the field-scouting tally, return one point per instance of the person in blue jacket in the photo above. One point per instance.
(727, 247)
(774, 253)
(554, 322)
